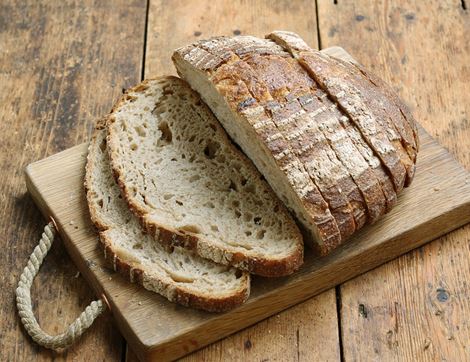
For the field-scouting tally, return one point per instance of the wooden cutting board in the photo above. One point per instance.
(437, 202)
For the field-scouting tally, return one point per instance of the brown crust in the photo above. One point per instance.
(336, 79)
(377, 96)
(168, 236)
(179, 295)
(134, 274)
(285, 84)
(350, 100)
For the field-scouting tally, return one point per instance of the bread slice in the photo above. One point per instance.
(177, 274)
(185, 180)
(372, 111)
(231, 99)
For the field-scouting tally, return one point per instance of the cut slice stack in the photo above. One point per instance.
(179, 208)
(334, 142)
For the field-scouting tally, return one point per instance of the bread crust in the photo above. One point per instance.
(343, 83)
(171, 237)
(290, 84)
(132, 272)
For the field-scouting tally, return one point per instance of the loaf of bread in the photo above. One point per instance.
(175, 273)
(334, 142)
(189, 185)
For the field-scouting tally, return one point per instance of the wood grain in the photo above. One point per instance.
(198, 20)
(293, 335)
(437, 202)
(416, 307)
(203, 19)
(59, 70)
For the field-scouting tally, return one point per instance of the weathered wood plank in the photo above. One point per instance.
(287, 336)
(209, 18)
(61, 65)
(416, 307)
(203, 19)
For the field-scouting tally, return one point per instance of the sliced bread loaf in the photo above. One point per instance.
(177, 274)
(380, 150)
(187, 182)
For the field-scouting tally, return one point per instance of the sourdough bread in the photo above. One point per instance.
(177, 274)
(371, 151)
(187, 182)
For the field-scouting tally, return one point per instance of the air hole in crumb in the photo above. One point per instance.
(167, 196)
(192, 138)
(140, 131)
(134, 146)
(248, 233)
(251, 188)
(214, 228)
(209, 205)
(166, 135)
(194, 178)
(233, 186)
(236, 203)
(244, 181)
(191, 229)
(257, 220)
(179, 202)
(174, 159)
(211, 149)
(260, 234)
(248, 216)
(103, 145)
(276, 208)
(137, 246)
(167, 92)
(100, 203)
(238, 274)
(211, 125)
(238, 214)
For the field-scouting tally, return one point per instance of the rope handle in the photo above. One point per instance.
(25, 309)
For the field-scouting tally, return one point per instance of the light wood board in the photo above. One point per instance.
(437, 202)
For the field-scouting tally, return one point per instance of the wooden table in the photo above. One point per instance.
(64, 63)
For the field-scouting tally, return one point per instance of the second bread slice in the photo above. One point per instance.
(183, 177)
